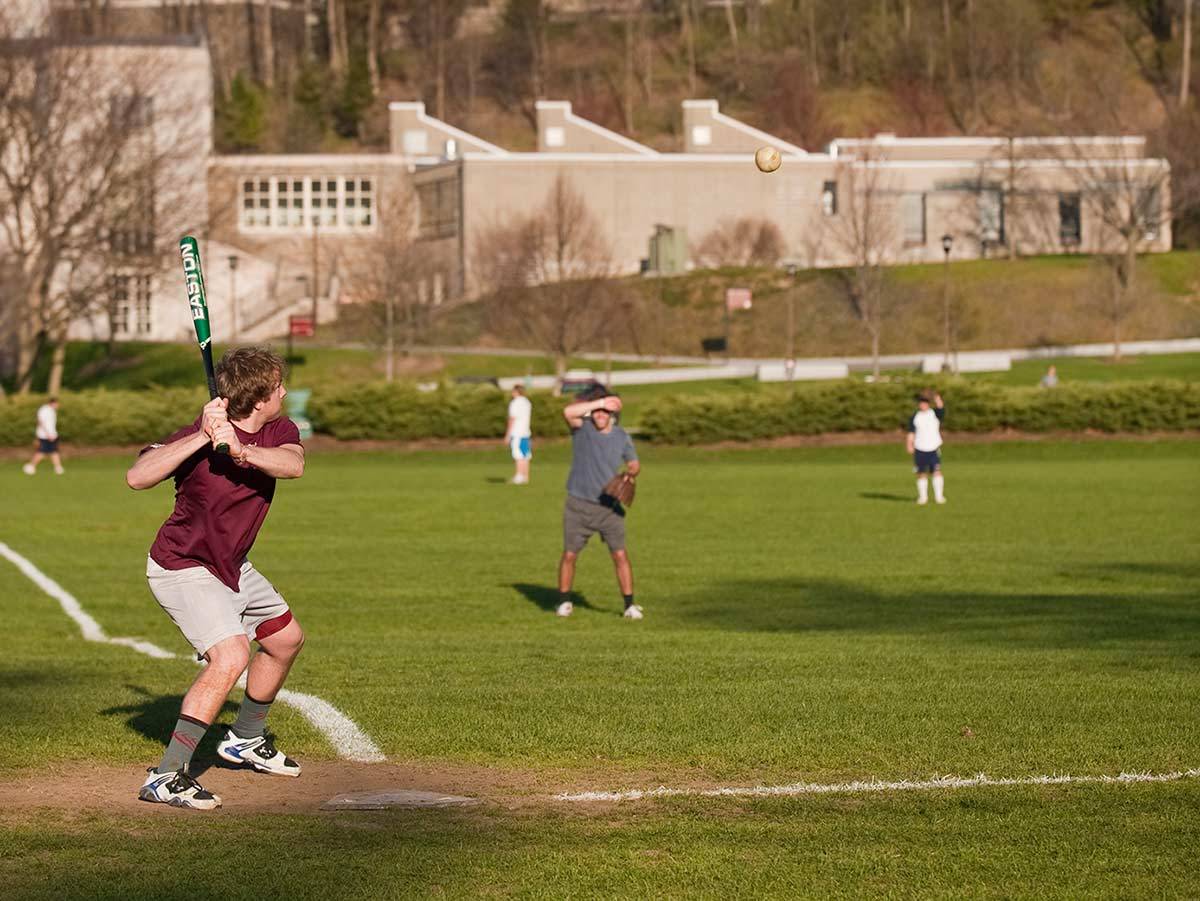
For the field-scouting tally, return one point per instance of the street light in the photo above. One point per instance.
(233, 295)
(947, 244)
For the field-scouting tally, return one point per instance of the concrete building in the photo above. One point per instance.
(291, 234)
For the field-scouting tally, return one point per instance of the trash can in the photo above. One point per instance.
(297, 405)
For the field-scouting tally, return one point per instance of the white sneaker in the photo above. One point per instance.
(28, 469)
(566, 608)
(177, 789)
(258, 752)
(940, 500)
(58, 470)
(922, 501)
(633, 611)
(518, 480)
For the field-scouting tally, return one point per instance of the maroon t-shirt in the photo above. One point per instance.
(219, 506)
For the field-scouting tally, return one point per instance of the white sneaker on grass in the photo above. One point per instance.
(940, 500)
(177, 789)
(922, 501)
(566, 608)
(633, 611)
(258, 752)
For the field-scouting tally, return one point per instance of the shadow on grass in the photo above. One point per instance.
(546, 597)
(155, 717)
(1036, 620)
(884, 496)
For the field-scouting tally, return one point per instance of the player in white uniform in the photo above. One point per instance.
(924, 441)
(47, 438)
(519, 434)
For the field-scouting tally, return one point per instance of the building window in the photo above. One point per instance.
(131, 111)
(1149, 211)
(912, 218)
(118, 296)
(991, 217)
(142, 308)
(1070, 220)
(829, 198)
(437, 202)
(293, 203)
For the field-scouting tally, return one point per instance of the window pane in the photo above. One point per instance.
(331, 185)
(365, 184)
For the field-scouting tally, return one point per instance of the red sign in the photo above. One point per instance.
(301, 326)
(737, 298)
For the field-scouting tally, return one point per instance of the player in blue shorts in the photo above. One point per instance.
(924, 442)
(519, 434)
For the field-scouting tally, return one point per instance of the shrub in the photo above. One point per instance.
(971, 407)
(104, 417)
(401, 413)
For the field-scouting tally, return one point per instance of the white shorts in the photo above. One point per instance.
(522, 448)
(207, 611)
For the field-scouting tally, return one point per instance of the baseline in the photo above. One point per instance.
(348, 740)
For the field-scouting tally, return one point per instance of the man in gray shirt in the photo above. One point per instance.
(598, 449)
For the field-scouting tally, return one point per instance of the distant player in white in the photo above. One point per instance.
(47, 438)
(924, 441)
(519, 434)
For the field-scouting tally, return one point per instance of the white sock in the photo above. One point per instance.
(922, 489)
(938, 484)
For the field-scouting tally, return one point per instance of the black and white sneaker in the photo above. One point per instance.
(258, 752)
(177, 789)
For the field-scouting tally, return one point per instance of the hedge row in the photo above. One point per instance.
(850, 405)
(104, 417)
(401, 413)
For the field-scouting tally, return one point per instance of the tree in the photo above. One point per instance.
(1126, 200)
(864, 230)
(241, 120)
(741, 242)
(101, 159)
(392, 273)
(546, 276)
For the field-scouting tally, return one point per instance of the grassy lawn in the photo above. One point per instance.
(805, 621)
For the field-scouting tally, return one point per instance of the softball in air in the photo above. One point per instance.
(767, 159)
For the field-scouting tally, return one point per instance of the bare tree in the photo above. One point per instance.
(1125, 200)
(864, 231)
(741, 242)
(401, 278)
(94, 141)
(547, 276)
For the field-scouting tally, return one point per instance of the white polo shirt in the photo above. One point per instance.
(926, 426)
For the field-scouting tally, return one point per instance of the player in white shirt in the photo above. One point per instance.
(519, 434)
(47, 438)
(924, 441)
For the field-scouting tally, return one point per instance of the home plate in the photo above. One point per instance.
(402, 798)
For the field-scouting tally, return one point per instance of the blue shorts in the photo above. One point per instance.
(47, 446)
(522, 448)
(927, 461)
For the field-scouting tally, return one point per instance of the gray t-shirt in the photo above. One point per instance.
(596, 458)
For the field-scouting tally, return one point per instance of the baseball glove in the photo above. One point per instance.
(621, 488)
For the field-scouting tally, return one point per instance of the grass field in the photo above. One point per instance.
(805, 622)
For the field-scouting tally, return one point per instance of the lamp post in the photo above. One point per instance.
(947, 244)
(790, 361)
(233, 295)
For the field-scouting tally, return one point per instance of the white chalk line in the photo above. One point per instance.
(864, 787)
(350, 742)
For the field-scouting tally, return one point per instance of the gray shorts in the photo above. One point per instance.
(208, 611)
(582, 519)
